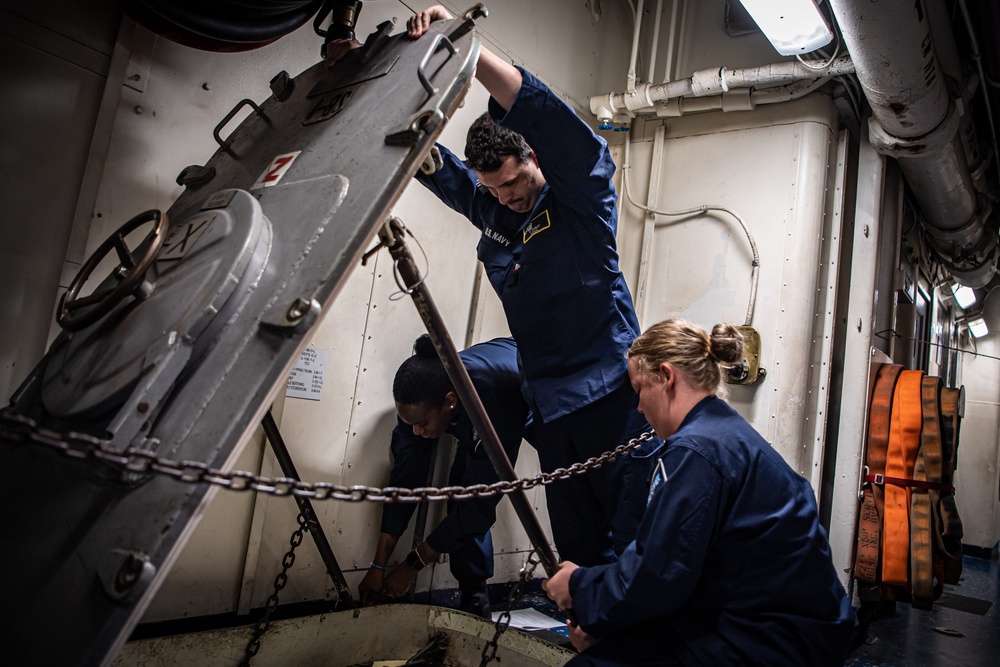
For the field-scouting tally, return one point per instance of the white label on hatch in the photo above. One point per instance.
(275, 171)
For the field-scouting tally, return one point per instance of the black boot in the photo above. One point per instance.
(475, 598)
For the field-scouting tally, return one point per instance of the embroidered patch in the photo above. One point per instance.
(539, 223)
(659, 477)
(493, 234)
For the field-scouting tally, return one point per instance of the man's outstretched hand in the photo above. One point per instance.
(418, 24)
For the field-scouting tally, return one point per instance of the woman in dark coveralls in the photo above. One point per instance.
(427, 408)
(730, 565)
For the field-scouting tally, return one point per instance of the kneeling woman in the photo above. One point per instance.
(427, 407)
(730, 565)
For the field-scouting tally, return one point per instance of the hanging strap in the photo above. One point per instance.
(870, 522)
(904, 443)
(927, 468)
(912, 483)
(950, 533)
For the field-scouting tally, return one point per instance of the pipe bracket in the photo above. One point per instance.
(908, 147)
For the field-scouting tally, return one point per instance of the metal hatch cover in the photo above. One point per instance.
(189, 368)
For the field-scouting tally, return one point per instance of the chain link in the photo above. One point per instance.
(279, 584)
(503, 620)
(17, 428)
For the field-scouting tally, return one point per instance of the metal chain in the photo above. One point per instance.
(503, 620)
(17, 428)
(279, 583)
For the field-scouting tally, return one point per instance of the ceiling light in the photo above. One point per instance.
(793, 27)
(978, 328)
(964, 296)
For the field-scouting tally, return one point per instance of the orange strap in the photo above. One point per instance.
(927, 468)
(869, 523)
(950, 531)
(904, 443)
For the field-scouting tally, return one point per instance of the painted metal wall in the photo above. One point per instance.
(54, 60)
(976, 478)
(773, 168)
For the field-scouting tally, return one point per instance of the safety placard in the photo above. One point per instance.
(275, 171)
(306, 378)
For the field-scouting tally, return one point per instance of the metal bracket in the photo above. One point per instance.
(195, 175)
(750, 371)
(298, 319)
(123, 571)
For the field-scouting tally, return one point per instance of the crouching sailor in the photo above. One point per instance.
(730, 565)
(427, 408)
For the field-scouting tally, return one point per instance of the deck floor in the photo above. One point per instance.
(962, 629)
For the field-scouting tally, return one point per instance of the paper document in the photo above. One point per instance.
(530, 619)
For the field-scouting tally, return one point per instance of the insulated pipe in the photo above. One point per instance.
(711, 82)
(636, 29)
(651, 68)
(915, 121)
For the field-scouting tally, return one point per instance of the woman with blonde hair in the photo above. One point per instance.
(730, 565)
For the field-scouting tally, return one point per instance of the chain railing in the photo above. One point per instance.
(500, 626)
(280, 580)
(20, 429)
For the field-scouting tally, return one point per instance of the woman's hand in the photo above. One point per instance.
(557, 587)
(418, 24)
(370, 588)
(399, 581)
(580, 639)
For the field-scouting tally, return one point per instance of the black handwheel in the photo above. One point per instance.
(130, 272)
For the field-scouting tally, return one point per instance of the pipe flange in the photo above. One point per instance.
(638, 99)
(974, 275)
(709, 82)
(907, 147)
(967, 236)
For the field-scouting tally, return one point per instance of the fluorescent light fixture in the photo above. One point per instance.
(964, 296)
(793, 27)
(978, 328)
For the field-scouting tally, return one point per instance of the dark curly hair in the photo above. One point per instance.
(488, 143)
(421, 378)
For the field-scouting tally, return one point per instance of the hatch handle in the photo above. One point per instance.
(425, 81)
(224, 143)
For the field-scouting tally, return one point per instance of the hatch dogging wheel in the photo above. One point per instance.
(130, 272)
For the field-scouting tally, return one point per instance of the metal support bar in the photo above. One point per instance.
(392, 235)
(420, 522)
(305, 507)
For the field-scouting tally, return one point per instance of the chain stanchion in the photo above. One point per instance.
(253, 646)
(18, 429)
(503, 620)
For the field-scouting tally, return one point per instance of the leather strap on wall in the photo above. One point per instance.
(870, 522)
(904, 443)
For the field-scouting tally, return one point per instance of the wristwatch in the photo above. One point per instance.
(413, 560)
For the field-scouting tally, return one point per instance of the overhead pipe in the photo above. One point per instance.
(916, 120)
(709, 82)
(633, 58)
(655, 43)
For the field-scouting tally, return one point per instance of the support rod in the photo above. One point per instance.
(306, 508)
(392, 236)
